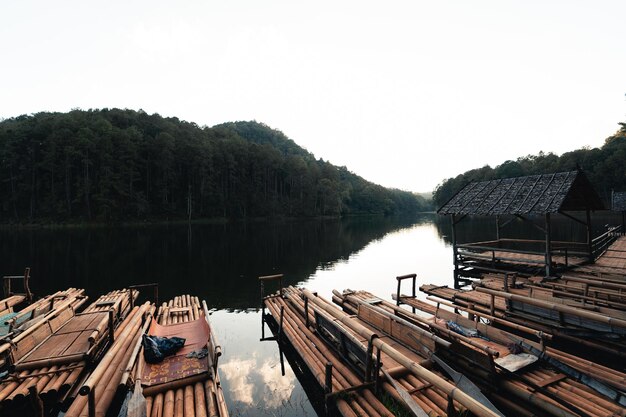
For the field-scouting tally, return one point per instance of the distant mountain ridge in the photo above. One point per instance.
(126, 165)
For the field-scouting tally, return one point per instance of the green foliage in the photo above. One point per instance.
(112, 164)
(605, 167)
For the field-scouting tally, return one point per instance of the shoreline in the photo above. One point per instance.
(177, 222)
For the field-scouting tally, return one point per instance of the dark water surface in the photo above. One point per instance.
(220, 263)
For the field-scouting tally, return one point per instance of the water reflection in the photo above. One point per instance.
(251, 371)
(217, 261)
(220, 263)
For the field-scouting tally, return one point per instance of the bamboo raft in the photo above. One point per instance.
(19, 332)
(600, 328)
(196, 394)
(339, 351)
(52, 359)
(547, 385)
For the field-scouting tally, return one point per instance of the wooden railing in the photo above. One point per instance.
(600, 244)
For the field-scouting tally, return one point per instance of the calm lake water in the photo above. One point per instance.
(220, 263)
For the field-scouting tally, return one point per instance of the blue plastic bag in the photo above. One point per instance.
(156, 348)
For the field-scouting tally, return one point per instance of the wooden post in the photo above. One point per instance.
(328, 384)
(548, 246)
(29, 295)
(455, 253)
(111, 327)
(589, 240)
(498, 228)
(377, 373)
(91, 402)
(280, 326)
(398, 292)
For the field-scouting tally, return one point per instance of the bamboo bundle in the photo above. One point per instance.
(549, 390)
(314, 353)
(427, 389)
(105, 379)
(416, 369)
(199, 396)
(46, 384)
(432, 399)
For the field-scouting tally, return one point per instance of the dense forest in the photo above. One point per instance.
(605, 167)
(124, 165)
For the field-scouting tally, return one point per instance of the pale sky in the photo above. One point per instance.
(403, 93)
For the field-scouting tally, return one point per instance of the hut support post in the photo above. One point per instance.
(455, 252)
(548, 246)
(589, 240)
(498, 228)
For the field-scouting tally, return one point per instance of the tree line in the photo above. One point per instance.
(126, 165)
(605, 167)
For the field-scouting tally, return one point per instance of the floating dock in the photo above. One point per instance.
(510, 369)
(356, 365)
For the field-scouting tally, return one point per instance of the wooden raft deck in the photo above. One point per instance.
(553, 377)
(322, 333)
(35, 387)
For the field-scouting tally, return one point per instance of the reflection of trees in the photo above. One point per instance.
(218, 262)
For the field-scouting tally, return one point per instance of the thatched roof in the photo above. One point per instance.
(534, 194)
(619, 201)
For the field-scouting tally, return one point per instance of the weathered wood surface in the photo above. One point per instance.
(50, 378)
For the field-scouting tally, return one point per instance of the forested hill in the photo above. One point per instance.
(605, 167)
(112, 165)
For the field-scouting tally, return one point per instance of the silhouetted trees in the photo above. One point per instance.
(605, 167)
(112, 164)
